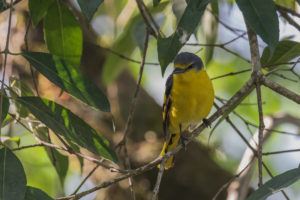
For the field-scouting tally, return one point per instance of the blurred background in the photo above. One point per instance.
(207, 163)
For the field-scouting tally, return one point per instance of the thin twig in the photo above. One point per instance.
(222, 47)
(27, 146)
(284, 77)
(231, 180)
(254, 50)
(284, 9)
(240, 134)
(289, 20)
(9, 5)
(125, 57)
(279, 152)
(158, 179)
(131, 113)
(43, 143)
(281, 90)
(143, 14)
(85, 179)
(271, 175)
(6, 50)
(294, 63)
(27, 49)
(260, 135)
(150, 16)
(256, 72)
(231, 74)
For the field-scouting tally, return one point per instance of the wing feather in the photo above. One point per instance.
(167, 106)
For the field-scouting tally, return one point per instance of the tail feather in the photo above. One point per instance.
(168, 146)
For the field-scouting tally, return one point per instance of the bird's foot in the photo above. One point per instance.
(206, 122)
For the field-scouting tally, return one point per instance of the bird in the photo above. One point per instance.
(189, 97)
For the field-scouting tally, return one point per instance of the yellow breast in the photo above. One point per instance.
(192, 97)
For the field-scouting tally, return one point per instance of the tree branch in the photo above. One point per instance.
(281, 90)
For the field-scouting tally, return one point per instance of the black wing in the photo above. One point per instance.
(167, 106)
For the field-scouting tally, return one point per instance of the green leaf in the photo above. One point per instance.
(262, 18)
(9, 140)
(12, 176)
(2, 4)
(124, 45)
(63, 33)
(298, 1)
(286, 3)
(63, 122)
(285, 51)
(276, 184)
(68, 78)
(38, 9)
(138, 32)
(89, 7)
(5, 107)
(36, 194)
(58, 160)
(169, 47)
(7, 121)
(80, 159)
(156, 2)
(19, 89)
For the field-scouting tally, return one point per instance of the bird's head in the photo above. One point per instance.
(186, 61)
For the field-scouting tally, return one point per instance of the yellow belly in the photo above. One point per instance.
(192, 98)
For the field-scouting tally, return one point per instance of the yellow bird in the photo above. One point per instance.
(189, 97)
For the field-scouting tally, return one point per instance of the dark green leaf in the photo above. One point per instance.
(89, 7)
(63, 122)
(12, 176)
(124, 45)
(285, 51)
(156, 2)
(63, 33)
(262, 18)
(36, 194)
(19, 89)
(169, 47)
(2, 4)
(5, 107)
(68, 78)
(298, 1)
(276, 184)
(138, 32)
(80, 159)
(58, 160)
(61, 164)
(38, 9)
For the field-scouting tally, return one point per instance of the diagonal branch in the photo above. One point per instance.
(280, 89)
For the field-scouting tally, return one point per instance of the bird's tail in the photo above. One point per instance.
(168, 146)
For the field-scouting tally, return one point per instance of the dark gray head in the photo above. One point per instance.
(185, 61)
